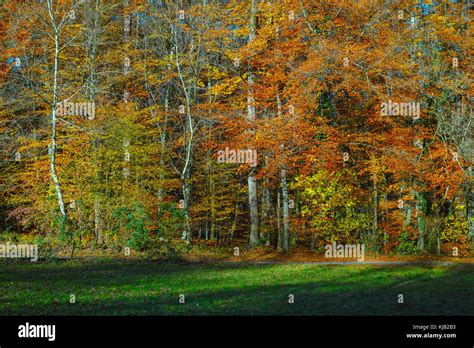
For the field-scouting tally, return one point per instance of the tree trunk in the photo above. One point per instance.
(52, 147)
(252, 181)
(279, 234)
(254, 223)
(470, 203)
(185, 173)
(266, 212)
(93, 42)
(421, 220)
(375, 217)
(286, 213)
(234, 222)
(162, 152)
(213, 207)
(187, 224)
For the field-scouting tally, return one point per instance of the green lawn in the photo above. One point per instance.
(106, 287)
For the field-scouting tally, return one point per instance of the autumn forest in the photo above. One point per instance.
(157, 127)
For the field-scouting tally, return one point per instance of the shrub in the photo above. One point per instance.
(407, 244)
(132, 223)
(332, 203)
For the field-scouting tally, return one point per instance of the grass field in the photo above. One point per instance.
(111, 287)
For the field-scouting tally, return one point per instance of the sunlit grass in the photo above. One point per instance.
(106, 287)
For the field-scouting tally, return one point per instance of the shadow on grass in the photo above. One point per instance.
(149, 288)
(96, 272)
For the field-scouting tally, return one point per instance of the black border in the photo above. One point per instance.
(238, 330)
